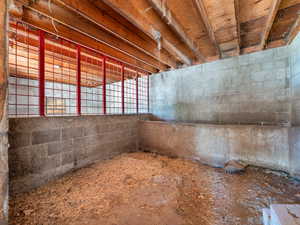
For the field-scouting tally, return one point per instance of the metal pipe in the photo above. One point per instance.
(123, 100)
(104, 85)
(78, 86)
(42, 72)
(137, 92)
(148, 94)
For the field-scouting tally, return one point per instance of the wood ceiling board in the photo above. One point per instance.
(288, 3)
(63, 31)
(168, 17)
(74, 21)
(224, 22)
(118, 26)
(251, 32)
(253, 9)
(192, 24)
(145, 18)
(284, 22)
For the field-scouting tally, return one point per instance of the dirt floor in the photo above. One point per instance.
(147, 189)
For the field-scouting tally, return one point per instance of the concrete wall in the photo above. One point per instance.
(295, 80)
(3, 115)
(252, 88)
(44, 148)
(267, 146)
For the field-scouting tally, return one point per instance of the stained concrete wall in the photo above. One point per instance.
(266, 146)
(252, 88)
(44, 148)
(295, 99)
(295, 79)
(3, 115)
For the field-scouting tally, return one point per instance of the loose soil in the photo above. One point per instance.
(148, 189)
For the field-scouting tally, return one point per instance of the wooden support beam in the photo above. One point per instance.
(293, 31)
(58, 29)
(204, 16)
(74, 21)
(165, 13)
(139, 13)
(238, 23)
(100, 17)
(271, 17)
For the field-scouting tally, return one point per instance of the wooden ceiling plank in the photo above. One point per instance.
(168, 17)
(238, 23)
(58, 29)
(294, 30)
(76, 22)
(271, 17)
(90, 12)
(203, 14)
(136, 17)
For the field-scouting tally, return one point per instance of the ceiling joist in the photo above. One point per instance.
(74, 21)
(270, 20)
(53, 27)
(204, 16)
(106, 22)
(167, 16)
(140, 14)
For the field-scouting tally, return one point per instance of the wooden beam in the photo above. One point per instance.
(150, 23)
(204, 16)
(74, 21)
(100, 17)
(238, 23)
(271, 17)
(165, 13)
(58, 29)
(294, 30)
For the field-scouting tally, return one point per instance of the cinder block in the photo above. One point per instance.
(45, 136)
(19, 139)
(62, 146)
(67, 157)
(73, 132)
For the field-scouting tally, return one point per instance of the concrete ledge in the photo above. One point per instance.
(265, 146)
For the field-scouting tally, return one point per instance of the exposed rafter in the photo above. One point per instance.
(238, 23)
(68, 18)
(294, 30)
(271, 17)
(147, 25)
(103, 20)
(166, 14)
(203, 14)
(50, 26)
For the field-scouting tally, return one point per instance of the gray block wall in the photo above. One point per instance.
(44, 148)
(249, 89)
(295, 80)
(266, 146)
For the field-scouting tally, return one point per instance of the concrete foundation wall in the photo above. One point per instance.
(267, 146)
(253, 88)
(44, 148)
(295, 80)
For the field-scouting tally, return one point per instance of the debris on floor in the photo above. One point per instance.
(149, 189)
(234, 166)
(282, 214)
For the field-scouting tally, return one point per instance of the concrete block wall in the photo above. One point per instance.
(266, 146)
(253, 88)
(295, 79)
(44, 148)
